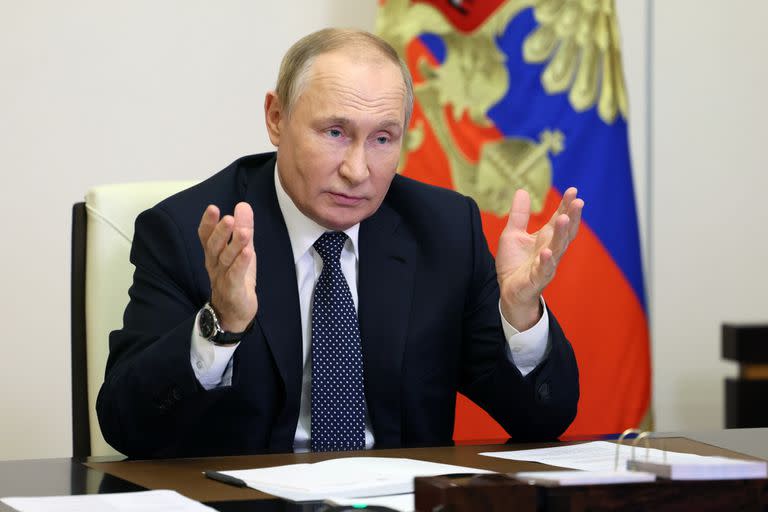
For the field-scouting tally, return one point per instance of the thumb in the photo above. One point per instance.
(520, 212)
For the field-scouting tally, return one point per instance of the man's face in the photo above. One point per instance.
(338, 149)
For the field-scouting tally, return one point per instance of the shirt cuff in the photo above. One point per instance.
(528, 348)
(211, 363)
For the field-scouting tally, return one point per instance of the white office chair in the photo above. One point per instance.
(102, 232)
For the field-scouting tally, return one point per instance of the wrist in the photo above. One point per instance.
(211, 327)
(229, 322)
(234, 326)
(522, 316)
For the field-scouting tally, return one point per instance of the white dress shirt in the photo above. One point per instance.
(212, 364)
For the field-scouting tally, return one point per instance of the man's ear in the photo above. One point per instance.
(273, 114)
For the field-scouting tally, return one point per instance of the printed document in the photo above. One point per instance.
(142, 501)
(349, 477)
(597, 456)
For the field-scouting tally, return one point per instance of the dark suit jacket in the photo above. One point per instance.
(429, 319)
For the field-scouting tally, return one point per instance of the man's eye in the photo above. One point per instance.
(382, 139)
(335, 133)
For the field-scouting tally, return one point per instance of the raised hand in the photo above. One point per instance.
(526, 262)
(230, 260)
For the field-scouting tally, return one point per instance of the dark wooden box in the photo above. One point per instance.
(496, 493)
(493, 492)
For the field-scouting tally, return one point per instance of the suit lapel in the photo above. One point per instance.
(278, 315)
(385, 289)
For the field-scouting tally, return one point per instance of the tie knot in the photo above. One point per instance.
(329, 245)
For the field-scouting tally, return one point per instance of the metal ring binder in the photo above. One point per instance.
(642, 435)
(619, 443)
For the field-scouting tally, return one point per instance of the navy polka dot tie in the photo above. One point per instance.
(338, 401)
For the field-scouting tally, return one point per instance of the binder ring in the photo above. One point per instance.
(642, 435)
(619, 444)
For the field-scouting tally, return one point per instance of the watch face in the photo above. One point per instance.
(206, 323)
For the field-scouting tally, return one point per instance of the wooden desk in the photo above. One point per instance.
(185, 475)
(72, 476)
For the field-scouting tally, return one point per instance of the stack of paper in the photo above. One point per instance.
(600, 456)
(144, 501)
(703, 468)
(567, 478)
(351, 477)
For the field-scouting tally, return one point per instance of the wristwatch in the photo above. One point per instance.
(210, 328)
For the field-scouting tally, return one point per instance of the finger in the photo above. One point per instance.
(235, 291)
(568, 197)
(242, 269)
(219, 239)
(207, 223)
(242, 234)
(520, 212)
(574, 213)
(241, 238)
(239, 280)
(542, 271)
(545, 270)
(243, 216)
(565, 202)
(560, 238)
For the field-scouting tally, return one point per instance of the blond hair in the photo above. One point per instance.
(299, 58)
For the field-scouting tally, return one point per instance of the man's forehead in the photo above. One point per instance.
(330, 105)
(341, 63)
(345, 81)
(357, 83)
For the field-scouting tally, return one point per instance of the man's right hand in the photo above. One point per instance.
(230, 260)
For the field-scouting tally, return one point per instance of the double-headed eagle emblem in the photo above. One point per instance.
(577, 39)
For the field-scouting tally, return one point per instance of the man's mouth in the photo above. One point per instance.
(346, 200)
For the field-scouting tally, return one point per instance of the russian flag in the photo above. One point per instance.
(598, 293)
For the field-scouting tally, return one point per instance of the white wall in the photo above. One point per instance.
(697, 83)
(95, 91)
(709, 246)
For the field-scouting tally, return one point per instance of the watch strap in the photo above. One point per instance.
(217, 335)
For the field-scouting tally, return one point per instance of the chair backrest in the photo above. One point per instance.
(102, 232)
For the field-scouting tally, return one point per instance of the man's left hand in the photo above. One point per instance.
(526, 262)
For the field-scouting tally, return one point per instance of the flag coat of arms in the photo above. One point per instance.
(530, 94)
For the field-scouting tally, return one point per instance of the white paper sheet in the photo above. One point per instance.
(566, 478)
(142, 501)
(594, 456)
(401, 502)
(349, 477)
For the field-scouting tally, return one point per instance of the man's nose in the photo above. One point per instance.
(354, 167)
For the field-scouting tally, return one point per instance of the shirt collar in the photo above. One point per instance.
(303, 231)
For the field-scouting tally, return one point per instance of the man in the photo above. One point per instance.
(323, 302)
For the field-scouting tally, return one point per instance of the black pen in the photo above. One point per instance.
(221, 477)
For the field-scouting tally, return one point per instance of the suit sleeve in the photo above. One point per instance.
(150, 391)
(540, 405)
